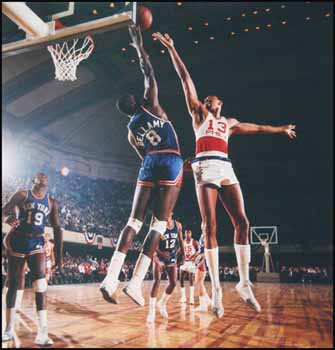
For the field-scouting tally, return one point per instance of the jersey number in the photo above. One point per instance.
(38, 219)
(153, 137)
(222, 126)
(170, 244)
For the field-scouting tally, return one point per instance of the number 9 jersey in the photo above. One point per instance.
(162, 163)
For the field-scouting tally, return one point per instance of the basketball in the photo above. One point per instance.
(144, 18)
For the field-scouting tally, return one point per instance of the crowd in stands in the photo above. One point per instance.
(304, 274)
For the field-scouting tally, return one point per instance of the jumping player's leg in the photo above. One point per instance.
(168, 196)
(140, 205)
(207, 199)
(154, 292)
(36, 263)
(14, 278)
(172, 277)
(232, 200)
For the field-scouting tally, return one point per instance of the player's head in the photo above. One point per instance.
(188, 233)
(40, 181)
(128, 104)
(213, 104)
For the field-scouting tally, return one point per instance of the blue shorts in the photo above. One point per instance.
(21, 246)
(172, 261)
(161, 169)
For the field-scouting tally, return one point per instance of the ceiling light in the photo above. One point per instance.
(269, 25)
(308, 18)
(255, 12)
(112, 4)
(95, 12)
(267, 10)
(179, 3)
(162, 51)
(211, 37)
(246, 30)
(258, 28)
(283, 22)
(206, 24)
(196, 42)
(190, 28)
(243, 15)
(232, 33)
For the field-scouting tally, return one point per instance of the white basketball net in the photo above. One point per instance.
(67, 58)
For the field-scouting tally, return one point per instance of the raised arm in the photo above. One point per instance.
(58, 233)
(194, 105)
(150, 84)
(238, 128)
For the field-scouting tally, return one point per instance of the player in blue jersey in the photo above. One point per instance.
(154, 139)
(170, 247)
(27, 213)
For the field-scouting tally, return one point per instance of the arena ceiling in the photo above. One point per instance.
(268, 74)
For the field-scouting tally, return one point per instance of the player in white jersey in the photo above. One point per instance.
(214, 177)
(191, 248)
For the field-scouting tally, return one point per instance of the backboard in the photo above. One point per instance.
(261, 233)
(31, 25)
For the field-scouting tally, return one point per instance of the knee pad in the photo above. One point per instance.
(158, 225)
(40, 285)
(135, 224)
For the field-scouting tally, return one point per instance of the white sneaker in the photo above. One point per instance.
(8, 335)
(151, 317)
(135, 293)
(217, 307)
(191, 302)
(42, 338)
(247, 295)
(108, 289)
(162, 309)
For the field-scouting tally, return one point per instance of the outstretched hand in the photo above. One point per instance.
(289, 131)
(165, 39)
(136, 36)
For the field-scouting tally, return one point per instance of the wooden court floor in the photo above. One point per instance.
(293, 316)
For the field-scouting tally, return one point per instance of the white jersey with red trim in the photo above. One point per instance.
(189, 249)
(212, 137)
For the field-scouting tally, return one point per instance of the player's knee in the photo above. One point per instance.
(173, 283)
(242, 222)
(158, 225)
(135, 224)
(40, 285)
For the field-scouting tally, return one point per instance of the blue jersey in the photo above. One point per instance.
(153, 134)
(33, 214)
(169, 242)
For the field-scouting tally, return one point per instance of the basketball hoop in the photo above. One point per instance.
(67, 58)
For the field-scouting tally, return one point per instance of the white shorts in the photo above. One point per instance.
(48, 264)
(188, 266)
(214, 171)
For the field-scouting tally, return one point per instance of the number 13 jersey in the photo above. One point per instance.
(153, 134)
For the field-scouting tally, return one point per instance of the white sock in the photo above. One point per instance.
(243, 256)
(115, 265)
(18, 301)
(141, 268)
(10, 318)
(183, 293)
(152, 305)
(164, 299)
(212, 260)
(42, 319)
(191, 292)
(202, 301)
